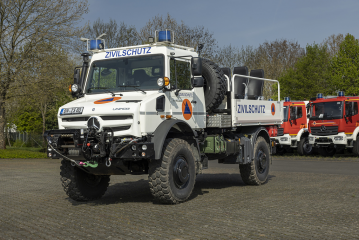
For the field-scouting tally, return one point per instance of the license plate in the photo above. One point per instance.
(74, 110)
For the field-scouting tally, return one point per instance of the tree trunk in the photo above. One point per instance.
(2, 124)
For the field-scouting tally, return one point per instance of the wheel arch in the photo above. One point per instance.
(168, 128)
(256, 132)
(355, 134)
(302, 133)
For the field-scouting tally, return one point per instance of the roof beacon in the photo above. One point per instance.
(341, 94)
(166, 36)
(319, 95)
(287, 99)
(95, 45)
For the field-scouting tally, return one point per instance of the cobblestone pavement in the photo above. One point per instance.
(292, 205)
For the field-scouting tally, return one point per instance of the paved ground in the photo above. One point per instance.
(305, 198)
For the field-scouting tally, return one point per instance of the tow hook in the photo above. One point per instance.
(87, 164)
(108, 162)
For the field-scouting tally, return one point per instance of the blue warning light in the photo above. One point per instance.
(320, 95)
(341, 94)
(287, 99)
(164, 36)
(95, 44)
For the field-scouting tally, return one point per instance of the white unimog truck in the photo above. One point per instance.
(159, 109)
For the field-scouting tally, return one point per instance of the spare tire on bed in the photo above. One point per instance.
(215, 84)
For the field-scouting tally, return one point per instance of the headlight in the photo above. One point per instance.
(133, 147)
(338, 138)
(311, 139)
(284, 139)
(144, 147)
(75, 88)
(160, 82)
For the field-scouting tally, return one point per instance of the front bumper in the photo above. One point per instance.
(338, 139)
(71, 142)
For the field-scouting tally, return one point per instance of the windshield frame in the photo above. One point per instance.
(125, 88)
(327, 117)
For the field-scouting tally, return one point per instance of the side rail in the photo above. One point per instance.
(248, 106)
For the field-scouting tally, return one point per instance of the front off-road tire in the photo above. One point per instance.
(326, 151)
(215, 84)
(172, 178)
(82, 186)
(256, 172)
(304, 148)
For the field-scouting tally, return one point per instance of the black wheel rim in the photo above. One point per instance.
(261, 161)
(307, 147)
(181, 174)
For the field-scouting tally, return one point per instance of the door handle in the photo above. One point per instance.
(193, 101)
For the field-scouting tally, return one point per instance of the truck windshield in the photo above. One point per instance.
(326, 110)
(125, 74)
(285, 114)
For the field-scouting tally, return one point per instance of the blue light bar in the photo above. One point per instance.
(341, 94)
(95, 44)
(287, 99)
(271, 99)
(164, 36)
(320, 95)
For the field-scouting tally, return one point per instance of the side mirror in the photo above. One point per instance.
(77, 75)
(349, 109)
(197, 81)
(196, 65)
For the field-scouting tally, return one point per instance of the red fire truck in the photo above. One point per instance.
(293, 133)
(333, 124)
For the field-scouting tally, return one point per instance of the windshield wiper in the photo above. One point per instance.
(112, 93)
(134, 86)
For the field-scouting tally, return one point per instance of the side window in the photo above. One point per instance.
(300, 112)
(183, 70)
(355, 108)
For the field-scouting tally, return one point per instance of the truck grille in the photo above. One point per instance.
(280, 132)
(105, 118)
(324, 130)
(323, 140)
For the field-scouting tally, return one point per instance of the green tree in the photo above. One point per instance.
(24, 26)
(309, 76)
(345, 67)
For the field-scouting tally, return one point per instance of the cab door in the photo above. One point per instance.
(184, 99)
(353, 121)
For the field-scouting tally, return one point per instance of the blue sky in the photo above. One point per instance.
(238, 22)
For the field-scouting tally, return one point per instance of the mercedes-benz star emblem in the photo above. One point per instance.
(93, 122)
(323, 128)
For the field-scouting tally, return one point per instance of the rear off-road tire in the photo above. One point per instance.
(215, 84)
(256, 172)
(82, 186)
(304, 148)
(172, 178)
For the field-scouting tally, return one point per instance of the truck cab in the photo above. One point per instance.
(333, 124)
(293, 133)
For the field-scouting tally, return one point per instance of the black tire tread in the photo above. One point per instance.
(248, 171)
(221, 86)
(69, 183)
(300, 148)
(158, 178)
